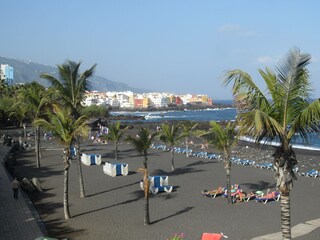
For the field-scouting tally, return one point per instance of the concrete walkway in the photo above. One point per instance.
(296, 231)
(18, 218)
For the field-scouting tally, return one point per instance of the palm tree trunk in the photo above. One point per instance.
(228, 185)
(116, 151)
(187, 147)
(65, 192)
(285, 216)
(24, 132)
(81, 184)
(37, 146)
(146, 211)
(146, 186)
(172, 159)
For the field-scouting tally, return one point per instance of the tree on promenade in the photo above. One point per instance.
(187, 130)
(33, 98)
(69, 89)
(170, 134)
(115, 135)
(71, 85)
(66, 130)
(282, 111)
(142, 143)
(5, 105)
(224, 139)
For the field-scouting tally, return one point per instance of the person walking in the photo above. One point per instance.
(15, 187)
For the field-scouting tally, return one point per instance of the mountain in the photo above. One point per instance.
(27, 71)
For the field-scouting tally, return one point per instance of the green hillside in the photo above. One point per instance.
(27, 71)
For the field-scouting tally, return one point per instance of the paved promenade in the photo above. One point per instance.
(18, 219)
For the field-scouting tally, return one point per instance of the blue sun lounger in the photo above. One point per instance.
(312, 173)
(265, 165)
(273, 196)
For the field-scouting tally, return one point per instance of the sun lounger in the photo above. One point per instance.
(234, 191)
(160, 147)
(185, 151)
(235, 160)
(211, 156)
(312, 173)
(273, 196)
(73, 151)
(91, 159)
(158, 184)
(213, 236)
(115, 169)
(246, 162)
(199, 154)
(213, 193)
(265, 165)
(246, 197)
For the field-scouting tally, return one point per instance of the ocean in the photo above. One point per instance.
(205, 115)
(225, 114)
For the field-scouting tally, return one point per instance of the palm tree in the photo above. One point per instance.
(71, 85)
(66, 130)
(69, 88)
(223, 138)
(115, 135)
(169, 134)
(33, 98)
(187, 129)
(283, 110)
(142, 143)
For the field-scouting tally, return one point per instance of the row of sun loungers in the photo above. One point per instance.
(312, 173)
(244, 162)
(111, 169)
(239, 196)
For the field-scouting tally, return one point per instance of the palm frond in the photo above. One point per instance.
(293, 83)
(244, 89)
(308, 120)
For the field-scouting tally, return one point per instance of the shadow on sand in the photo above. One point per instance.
(57, 228)
(261, 185)
(178, 171)
(187, 209)
(112, 189)
(138, 195)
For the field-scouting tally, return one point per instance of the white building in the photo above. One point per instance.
(159, 100)
(7, 74)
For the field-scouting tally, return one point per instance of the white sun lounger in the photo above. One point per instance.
(116, 169)
(91, 159)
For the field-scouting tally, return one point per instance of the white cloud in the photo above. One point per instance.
(265, 60)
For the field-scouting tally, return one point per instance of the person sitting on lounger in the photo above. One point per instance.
(212, 193)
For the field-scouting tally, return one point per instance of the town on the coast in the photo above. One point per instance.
(130, 100)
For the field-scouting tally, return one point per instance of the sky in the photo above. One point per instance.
(177, 46)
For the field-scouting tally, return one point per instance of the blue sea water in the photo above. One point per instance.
(224, 114)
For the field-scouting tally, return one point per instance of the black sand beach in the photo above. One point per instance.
(114, 207)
